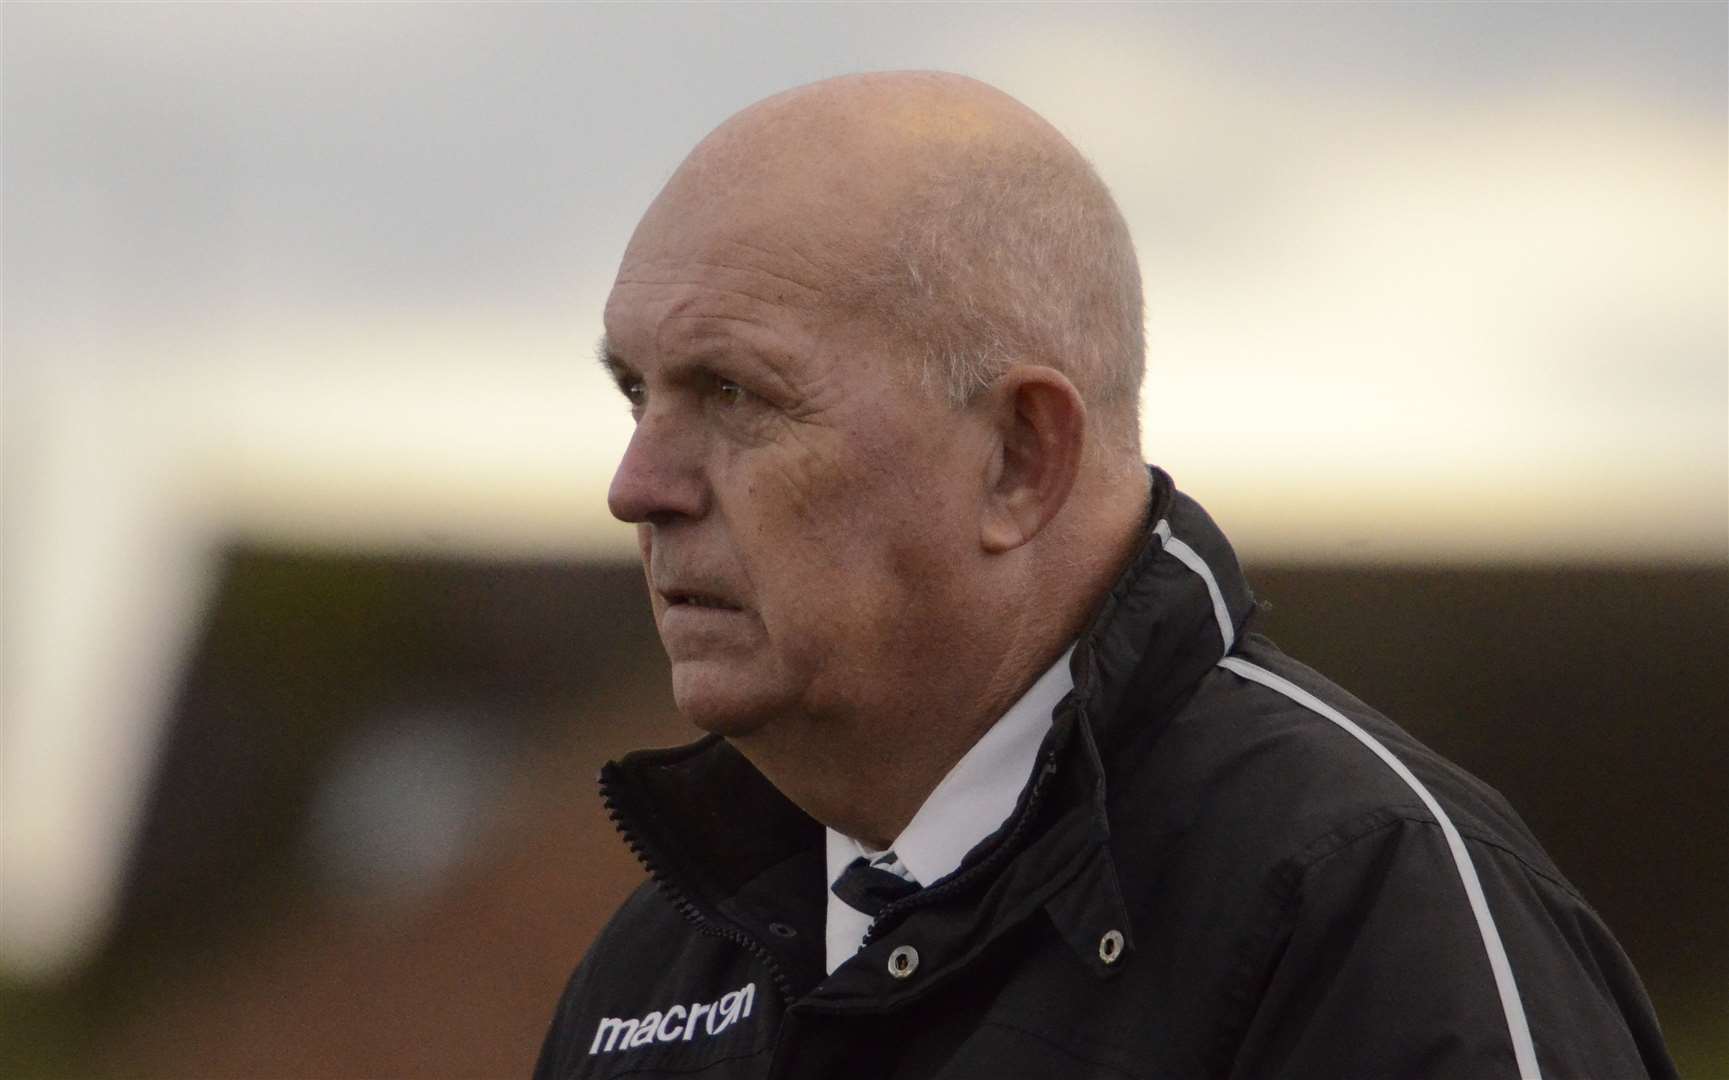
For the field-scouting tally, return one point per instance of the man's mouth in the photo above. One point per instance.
(698, 600)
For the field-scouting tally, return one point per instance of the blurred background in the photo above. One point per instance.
(316, 630)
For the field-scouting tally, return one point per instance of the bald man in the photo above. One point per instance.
(996, 782)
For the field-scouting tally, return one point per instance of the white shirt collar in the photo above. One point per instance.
(969, 803)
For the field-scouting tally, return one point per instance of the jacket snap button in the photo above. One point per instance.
(903, 961)
(1111, 947)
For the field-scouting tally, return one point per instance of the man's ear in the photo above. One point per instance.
(1040, 425)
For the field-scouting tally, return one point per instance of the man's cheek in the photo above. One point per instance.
(801, 637)
(827, 472)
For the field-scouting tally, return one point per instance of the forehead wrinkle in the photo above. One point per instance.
(726, 278)
(698, 299)
(817, 267)
(701, 342)
(713, 292)
(692, 338)
(762, 271)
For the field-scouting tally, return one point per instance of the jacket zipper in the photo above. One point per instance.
(685, 906)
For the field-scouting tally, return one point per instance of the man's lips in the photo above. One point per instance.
(694, 598)
(693, 622)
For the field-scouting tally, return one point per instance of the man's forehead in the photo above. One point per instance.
(799, 211)
(690, 283)
(761, 265)
(666, 325)
(738, 284)
(672, 315)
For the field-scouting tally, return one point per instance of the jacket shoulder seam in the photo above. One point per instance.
(1377, 820)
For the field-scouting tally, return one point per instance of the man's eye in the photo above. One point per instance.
(730, 392)
(634, 392)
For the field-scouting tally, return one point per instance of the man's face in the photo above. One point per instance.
(806, 514)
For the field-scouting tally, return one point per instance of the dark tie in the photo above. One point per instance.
(868, 887)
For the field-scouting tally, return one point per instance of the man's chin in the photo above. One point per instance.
(719, 698)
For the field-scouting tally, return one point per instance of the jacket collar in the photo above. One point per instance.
(730, 851)
(1175, 611)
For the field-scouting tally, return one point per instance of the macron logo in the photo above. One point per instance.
(675, 1024)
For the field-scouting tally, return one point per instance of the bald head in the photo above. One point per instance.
(942, 210)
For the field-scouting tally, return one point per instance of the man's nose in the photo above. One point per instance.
(659, 479)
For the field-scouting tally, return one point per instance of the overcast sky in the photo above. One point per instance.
(183, 168)
(1425, 281)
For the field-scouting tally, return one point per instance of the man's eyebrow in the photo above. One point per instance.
(706, 361)
(615, 366)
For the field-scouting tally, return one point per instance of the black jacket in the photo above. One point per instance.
(1222, 866)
